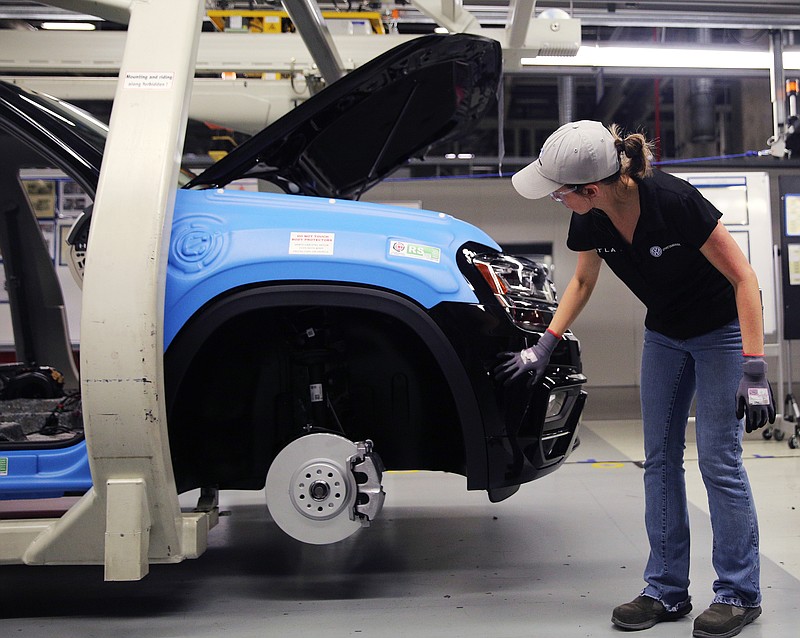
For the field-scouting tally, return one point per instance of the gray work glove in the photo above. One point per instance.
(754, 400)
(533, 359)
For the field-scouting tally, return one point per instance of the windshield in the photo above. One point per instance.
(86, 126)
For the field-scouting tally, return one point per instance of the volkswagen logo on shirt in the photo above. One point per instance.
(657, 251)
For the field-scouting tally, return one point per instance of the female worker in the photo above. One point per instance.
(703, 339)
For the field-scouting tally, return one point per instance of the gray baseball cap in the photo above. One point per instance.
(577, 153)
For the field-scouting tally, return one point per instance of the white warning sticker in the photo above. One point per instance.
(304, 243)
(149, 81)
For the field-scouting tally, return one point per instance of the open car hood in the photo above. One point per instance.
(358, 130)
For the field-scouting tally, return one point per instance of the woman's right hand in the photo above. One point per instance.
(534, 359)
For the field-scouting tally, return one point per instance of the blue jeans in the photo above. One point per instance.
(675, 371)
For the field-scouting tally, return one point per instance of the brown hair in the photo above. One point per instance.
(635, 152)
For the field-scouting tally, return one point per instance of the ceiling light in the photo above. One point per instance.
(666, 58)
(67, 26)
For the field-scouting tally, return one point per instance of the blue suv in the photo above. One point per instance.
(313, 341)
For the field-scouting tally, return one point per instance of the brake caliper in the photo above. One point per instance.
(367, 469)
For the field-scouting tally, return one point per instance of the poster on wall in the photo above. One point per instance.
(791, 206)
(42, 195)
(793, 258)
(72, 199)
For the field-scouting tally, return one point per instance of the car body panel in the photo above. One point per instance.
(224, 239)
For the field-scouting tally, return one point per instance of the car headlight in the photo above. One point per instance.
(522, 287)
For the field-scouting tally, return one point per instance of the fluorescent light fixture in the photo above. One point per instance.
(443, 30)
(666, 57)
(67, 26)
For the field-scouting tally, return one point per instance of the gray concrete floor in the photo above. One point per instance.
(551, 561)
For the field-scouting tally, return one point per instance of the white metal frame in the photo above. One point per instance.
(131, 517)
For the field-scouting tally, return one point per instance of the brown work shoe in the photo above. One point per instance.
(723, 621)
(644, 612)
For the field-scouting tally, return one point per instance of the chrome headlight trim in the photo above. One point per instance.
(522, 286)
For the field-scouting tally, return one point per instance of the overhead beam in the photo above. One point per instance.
(307, 17)
(112, 10)
(100, 52)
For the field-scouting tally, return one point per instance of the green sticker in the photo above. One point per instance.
(401, 248)
(3, 466)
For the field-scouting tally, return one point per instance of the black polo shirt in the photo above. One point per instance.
(684, 294)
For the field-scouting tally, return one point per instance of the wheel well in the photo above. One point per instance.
(238, 389)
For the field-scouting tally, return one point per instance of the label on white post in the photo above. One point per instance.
(149, 81)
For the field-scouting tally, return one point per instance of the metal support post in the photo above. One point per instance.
(776, 84)
(127, 530)
(122, 323)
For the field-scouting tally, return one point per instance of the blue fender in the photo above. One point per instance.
(225, 239)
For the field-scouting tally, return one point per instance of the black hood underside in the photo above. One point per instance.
(361, 128)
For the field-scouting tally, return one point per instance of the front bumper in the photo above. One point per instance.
(527, 430)
(540, 428)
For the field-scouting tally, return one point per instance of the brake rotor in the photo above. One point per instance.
(311, 491)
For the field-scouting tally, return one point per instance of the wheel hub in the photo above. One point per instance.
(319, 490)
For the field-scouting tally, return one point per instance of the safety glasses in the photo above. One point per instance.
(558, 196)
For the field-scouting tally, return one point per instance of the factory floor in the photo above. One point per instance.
(552, 561)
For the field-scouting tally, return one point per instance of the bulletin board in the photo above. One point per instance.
(789, 187)
(743, 198)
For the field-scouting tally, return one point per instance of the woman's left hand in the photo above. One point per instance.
(754, 400)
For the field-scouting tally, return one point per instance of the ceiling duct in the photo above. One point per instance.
(702, 101)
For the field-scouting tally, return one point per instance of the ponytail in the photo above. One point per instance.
(635, 153)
